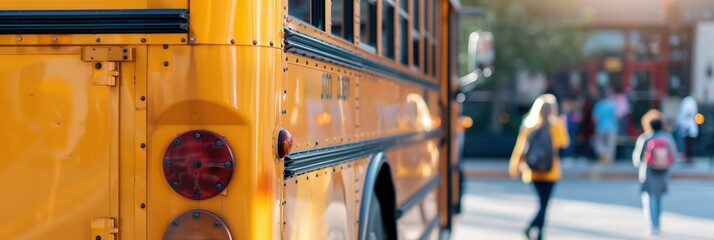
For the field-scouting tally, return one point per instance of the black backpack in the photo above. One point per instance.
(539, 155)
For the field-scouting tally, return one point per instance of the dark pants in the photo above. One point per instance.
(688, 149)
(544, 190)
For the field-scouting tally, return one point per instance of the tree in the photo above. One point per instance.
(538, 36)
(531, 35)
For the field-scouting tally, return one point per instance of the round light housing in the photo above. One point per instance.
(197, 224)
(198, 164)
(285, 143)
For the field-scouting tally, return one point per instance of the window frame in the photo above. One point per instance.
(374, 30)
(348, 20)
(382, 11)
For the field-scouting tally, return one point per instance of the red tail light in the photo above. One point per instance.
(198, 164)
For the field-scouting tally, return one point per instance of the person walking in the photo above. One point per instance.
(654, 153)
(605, 117)
(687, 128)
(541, 126)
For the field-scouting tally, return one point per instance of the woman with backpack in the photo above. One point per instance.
(535, 155)
(654, 153)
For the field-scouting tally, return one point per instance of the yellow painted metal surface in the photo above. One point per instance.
(61, 145)
(227, 90)
(90, 4)
(228, 75)
(91, 39)
(323, 204)
(413, 167)
(238, 22)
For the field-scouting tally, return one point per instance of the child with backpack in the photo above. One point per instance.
(654, 153)
(535, 155)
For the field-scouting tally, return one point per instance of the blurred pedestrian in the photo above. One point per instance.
(622, 109)
(605, 117)
(687, 128)
(541, 125)
(573, 115)
(654, 153)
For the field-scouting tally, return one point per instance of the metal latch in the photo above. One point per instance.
(105, 62)
(105, 73)
(104, 229)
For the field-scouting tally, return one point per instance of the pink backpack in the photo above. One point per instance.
(658, 153)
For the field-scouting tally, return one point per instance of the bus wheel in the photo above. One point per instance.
(375, 226)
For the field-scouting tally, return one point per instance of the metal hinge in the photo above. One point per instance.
(104, 229)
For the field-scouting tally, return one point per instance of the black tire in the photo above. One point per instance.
(375, 227)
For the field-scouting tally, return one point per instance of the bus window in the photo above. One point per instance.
(427, 39)
(403, 32)
(342, 18)
(309, 11)
(416, 36)
(435, 36)
(368, 23)
(388, 28)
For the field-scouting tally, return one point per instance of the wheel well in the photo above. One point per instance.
(384, 188)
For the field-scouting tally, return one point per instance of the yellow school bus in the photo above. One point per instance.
(227, 119)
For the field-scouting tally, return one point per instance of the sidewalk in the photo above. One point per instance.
(702, 169)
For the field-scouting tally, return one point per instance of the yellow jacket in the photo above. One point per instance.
(560, 139)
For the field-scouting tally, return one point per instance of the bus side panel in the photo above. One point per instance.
(61, 144)
(414, 167)
(319, 103)
(323, 204)
(232, 91)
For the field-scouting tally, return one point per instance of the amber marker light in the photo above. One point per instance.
(285, 143)
(699, 118)
(198, 164)
(467, 122)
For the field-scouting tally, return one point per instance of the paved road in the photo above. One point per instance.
(584, 209)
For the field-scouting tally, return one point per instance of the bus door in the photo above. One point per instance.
(60, 141)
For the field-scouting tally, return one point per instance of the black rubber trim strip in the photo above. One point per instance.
(299, 43)
(434, 223)
(305, 161)
(94, 21)
(418, 196)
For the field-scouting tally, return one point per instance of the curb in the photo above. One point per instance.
(592, 175)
